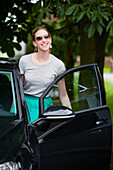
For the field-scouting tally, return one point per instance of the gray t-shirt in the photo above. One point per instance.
(38, 77)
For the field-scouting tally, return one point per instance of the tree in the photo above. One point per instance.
(92, 17)
(13, 24)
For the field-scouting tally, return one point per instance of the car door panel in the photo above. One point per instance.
(82, 142)
(75, 142)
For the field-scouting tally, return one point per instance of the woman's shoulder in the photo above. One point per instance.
(25, 57)
(57, 60)
(58, 65)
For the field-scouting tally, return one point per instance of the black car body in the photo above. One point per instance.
(61, 138)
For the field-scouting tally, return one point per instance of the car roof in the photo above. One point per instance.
(8, 63)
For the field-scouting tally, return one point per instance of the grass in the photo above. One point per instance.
(107, 69)
(109, 99)
(109, 96)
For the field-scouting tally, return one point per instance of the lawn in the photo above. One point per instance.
(109, 99)
(109, 96)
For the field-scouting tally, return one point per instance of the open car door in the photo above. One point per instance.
(79, 138)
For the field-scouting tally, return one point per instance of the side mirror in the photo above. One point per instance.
(58, 113)
(54, 113)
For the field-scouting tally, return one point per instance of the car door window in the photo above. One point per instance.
(7, 94)
(82, 88)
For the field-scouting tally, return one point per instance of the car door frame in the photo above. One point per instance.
(100, 126)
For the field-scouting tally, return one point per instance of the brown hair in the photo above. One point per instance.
(37, 29)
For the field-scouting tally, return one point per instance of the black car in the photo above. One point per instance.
(61, 139)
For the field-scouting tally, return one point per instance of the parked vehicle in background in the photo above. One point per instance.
(61, 138)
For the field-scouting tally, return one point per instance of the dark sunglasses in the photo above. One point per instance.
(41, 37)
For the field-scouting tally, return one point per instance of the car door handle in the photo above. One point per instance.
(100, 122)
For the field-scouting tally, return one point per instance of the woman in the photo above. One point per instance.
(38, 70)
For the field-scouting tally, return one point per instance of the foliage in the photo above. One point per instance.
(18, 18)
(13, 16)
(96, 11)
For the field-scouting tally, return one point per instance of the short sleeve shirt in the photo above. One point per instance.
(38, 77)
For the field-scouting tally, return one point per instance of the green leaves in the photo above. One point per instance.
(76, 12)
(99, 28)
(17, 46)
(98, 13)
(109, 25)
(80, 15)
(48, 13)
(94, 17)
(39, 18)
(70, 9)
(10, 51)
(90, 28)
(68, 1)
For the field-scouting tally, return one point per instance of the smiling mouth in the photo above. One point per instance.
(44, 45)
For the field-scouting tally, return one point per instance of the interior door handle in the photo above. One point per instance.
(100, 122)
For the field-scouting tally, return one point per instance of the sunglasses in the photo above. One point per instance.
(39, 38)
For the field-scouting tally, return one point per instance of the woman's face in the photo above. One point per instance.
(42, 40)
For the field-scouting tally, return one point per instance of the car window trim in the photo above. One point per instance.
(12, 87)
(98, 83)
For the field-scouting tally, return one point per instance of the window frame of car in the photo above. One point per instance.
(75, 69)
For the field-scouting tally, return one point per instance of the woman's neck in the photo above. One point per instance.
(41, 57)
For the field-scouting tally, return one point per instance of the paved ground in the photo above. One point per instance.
(108, 77)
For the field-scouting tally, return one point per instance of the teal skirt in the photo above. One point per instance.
(33, 106)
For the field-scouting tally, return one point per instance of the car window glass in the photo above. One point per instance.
(82, 89)
(7, 94)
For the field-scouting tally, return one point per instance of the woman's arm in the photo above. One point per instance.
(22, 76)
(63, 94)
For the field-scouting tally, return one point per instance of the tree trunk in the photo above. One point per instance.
(92, 50)
(69, 59)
